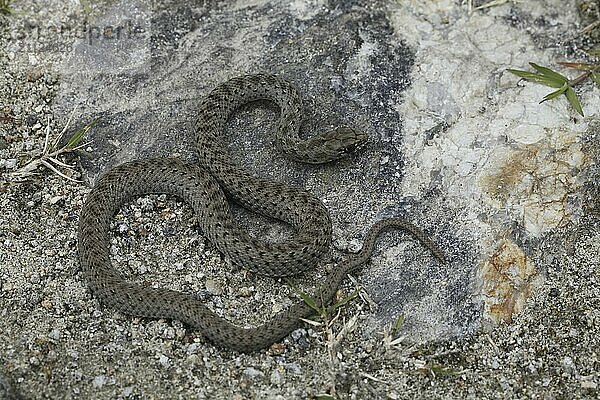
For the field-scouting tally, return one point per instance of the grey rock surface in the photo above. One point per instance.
(506, 186)
(351, 68)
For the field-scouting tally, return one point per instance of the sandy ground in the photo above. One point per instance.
(57, 341)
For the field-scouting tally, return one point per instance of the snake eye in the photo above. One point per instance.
(349, 139)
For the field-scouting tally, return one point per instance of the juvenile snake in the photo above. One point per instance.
(204, 187)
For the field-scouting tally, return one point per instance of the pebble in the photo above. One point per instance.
(31, 119)
(589, 384)
(251, 372)
(213, 287)
(127, 391)
(56, 199)
(298, 333)
(35, 279)
(568, 365)
(164, 360)
(169, 333)
(99, 381)
(193, 348)
(277, 307)
(192, 359)
(123, 228)
(294, 368)
(55, 334)
(276, 378)
(246, 291)
(354, 246)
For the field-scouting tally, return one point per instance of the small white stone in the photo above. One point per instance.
(276, 378)
(55, 199)
(298, 333)
(568, 364)
(276, 308)
(354, 246)
(246, 291)
(193, 348)
(164, 360)
(55, 334)
(169, 333)
(127, 391)
(99, 381)
(588, 384)
(192, 359)
(253, 372)
(213, 287)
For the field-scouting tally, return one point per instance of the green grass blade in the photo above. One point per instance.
(398, 324)
(324, 397)
(523, 74)
(5, 7)
(596, 78)
(345, 300)
(77, 136)
(570, 93)
(537, 78)
(549, 73)
(308, 299)
(555, 93)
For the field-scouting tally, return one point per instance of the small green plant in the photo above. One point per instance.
(392, 337)
(48, 157)
(325, 397)
(437, 370)
(5, 7)
(87, 8)
(398, 324)
(329, 315)
(324, 311)
(546, 76)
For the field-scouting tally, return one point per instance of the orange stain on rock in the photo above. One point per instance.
(509, 278)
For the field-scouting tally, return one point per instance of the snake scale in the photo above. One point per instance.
(208, 186)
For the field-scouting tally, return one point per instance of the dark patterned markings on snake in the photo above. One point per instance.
(205, 187)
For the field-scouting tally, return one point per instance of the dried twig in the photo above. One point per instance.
(48, 157)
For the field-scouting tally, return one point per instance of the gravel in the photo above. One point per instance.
(56, 341)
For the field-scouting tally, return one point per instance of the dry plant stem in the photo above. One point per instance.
(50, 159)
(331, 351)
(591, 27)
(581, 78)
(334, 341)
(46, 160)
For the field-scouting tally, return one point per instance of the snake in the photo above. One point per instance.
(209, 185)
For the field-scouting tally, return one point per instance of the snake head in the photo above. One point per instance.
(340, 141)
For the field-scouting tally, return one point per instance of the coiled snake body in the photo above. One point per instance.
(203, 187)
